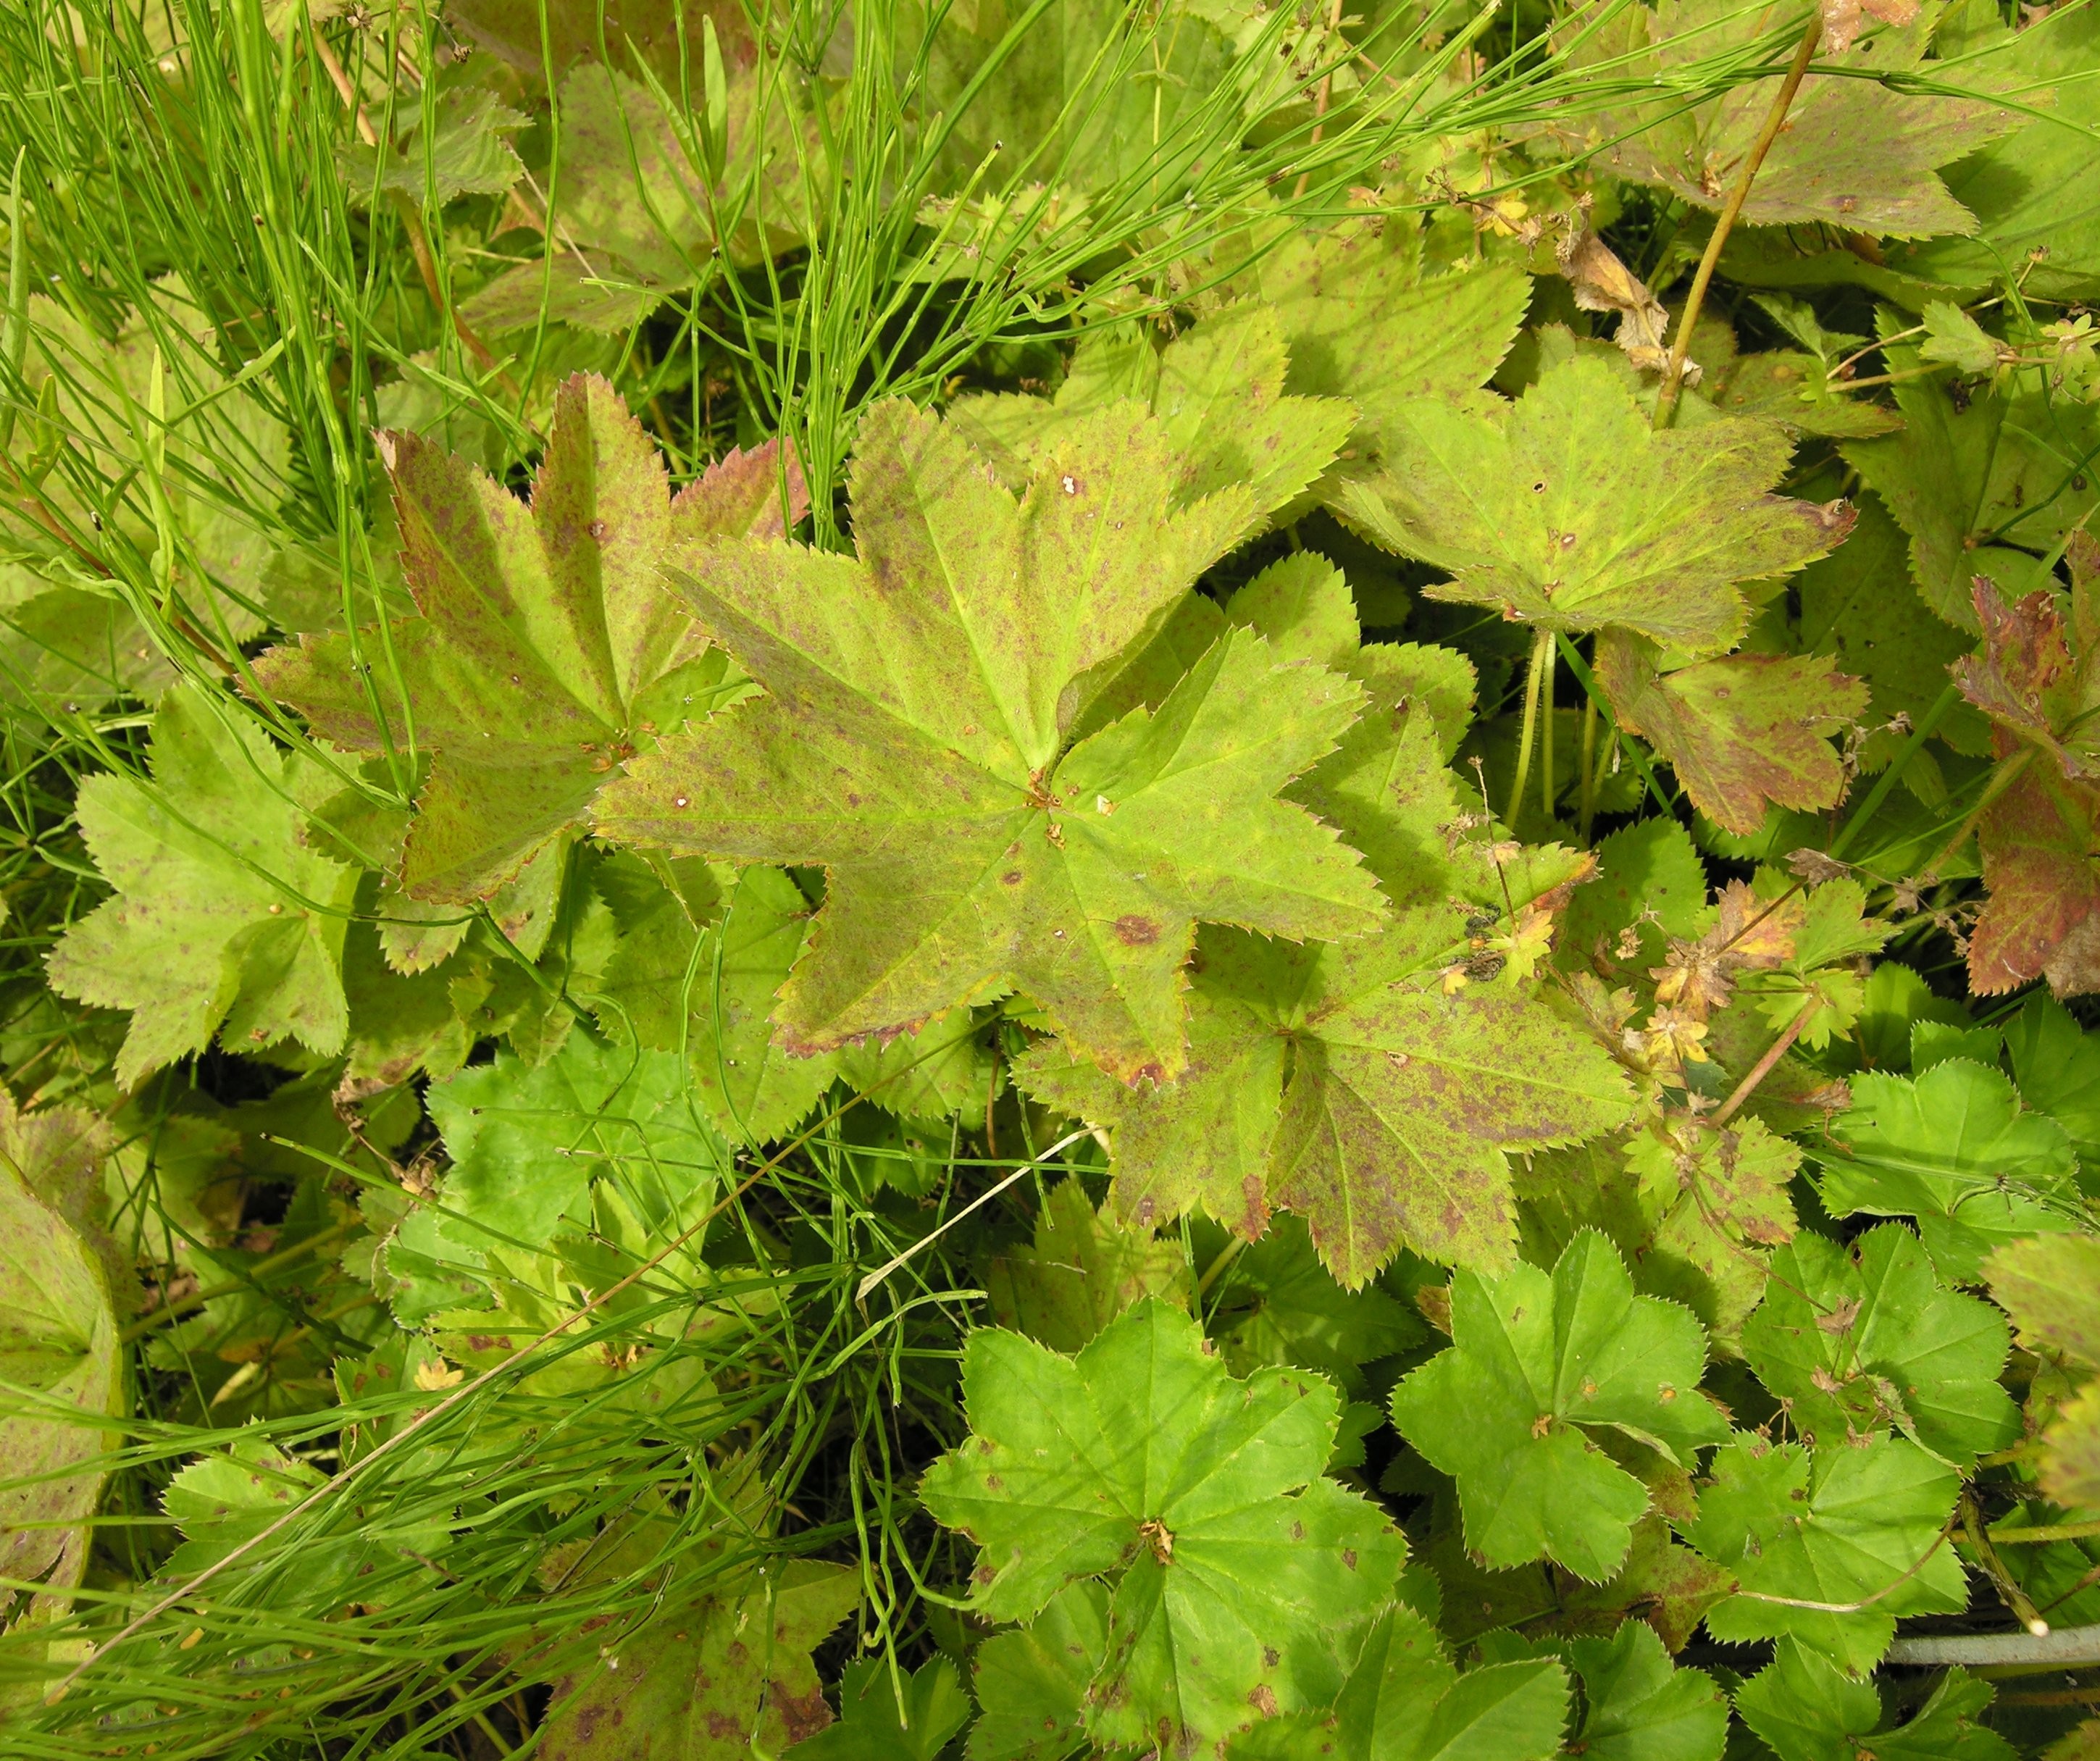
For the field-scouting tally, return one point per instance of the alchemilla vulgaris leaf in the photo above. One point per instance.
(547, 648)
(1830, 1545)
(913, 741)
(1539, 1364)
(1241, 1577)
(1566, 509)
(225, 921)
(1355, 1085)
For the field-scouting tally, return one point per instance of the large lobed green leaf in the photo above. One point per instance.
(1539, 1362)
(970, 850)
(224, 921)
(1243, 1578)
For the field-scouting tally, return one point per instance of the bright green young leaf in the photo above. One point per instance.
(722, 1677)
(1343, 1083)
(912, 742)
(1849, 1524)
(1243, 1573)
(1031, 1683)
(59, 1340)
(1081, 1271)
(1807, 1708)
(1217, 391)
(1536, 1360)
(878, 1723)
(547, 647)
(525, 1144)
(1566, 510)
(1953, 1149)
(1405, 1702)
(1639, 1707)
(224, 921)
(1861, 1338)
(1855, 155)
(1744, 732)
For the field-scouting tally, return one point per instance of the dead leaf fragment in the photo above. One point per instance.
(1603, 284)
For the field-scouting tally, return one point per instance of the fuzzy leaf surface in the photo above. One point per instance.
(1566, 510)
(1241, 1571)
(1536, 1358)
(2050, 1285)
(224, 921)
(547, 647)
(1343, 1083)
(969, 852)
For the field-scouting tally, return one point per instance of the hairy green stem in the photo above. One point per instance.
(1542, 653)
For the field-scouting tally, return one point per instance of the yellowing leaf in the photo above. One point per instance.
(1742, 732)
(1565, 510)
(548, 647)
(971, 850)
(1217, 391)
(712, 1677)
(58, 1342)
(1855, 154)
(1344, 1084)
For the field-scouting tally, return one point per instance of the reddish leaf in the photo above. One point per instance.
(1742, 731)
(2040, 841)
